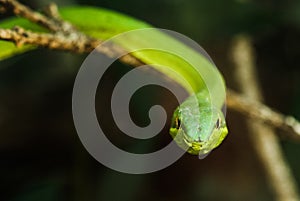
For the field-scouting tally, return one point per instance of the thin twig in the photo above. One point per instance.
(62, 42)
(65, 37)
(262, 137)
(65, 34)
(259, 111)
(52, 41)
(24, 11)
(52, 11)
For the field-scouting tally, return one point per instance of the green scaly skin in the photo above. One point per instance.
(199, 127)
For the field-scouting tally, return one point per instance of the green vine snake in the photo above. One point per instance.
(201, 127)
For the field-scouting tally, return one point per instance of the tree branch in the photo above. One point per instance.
(262, 137)
(66, 37)
(52, 41)
(24, 11)
(258, 111)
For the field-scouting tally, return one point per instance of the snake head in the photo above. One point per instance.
(198, 129)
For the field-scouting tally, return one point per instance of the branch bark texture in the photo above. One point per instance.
(262, 137)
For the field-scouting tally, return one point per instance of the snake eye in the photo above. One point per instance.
(218, 123)
(177, 123)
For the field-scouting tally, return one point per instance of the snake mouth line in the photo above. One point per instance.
(194, 147)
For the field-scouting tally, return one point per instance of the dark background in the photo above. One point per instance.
(42, 158)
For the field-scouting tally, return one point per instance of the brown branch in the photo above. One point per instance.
(262, 137)
(23, 11)
(52, 41)
(52, 11)
(261, 112)
(67, 38)
(64, 37)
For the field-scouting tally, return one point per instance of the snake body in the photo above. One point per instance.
(199, 126)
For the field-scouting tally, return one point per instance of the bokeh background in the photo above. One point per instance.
(42, 158)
